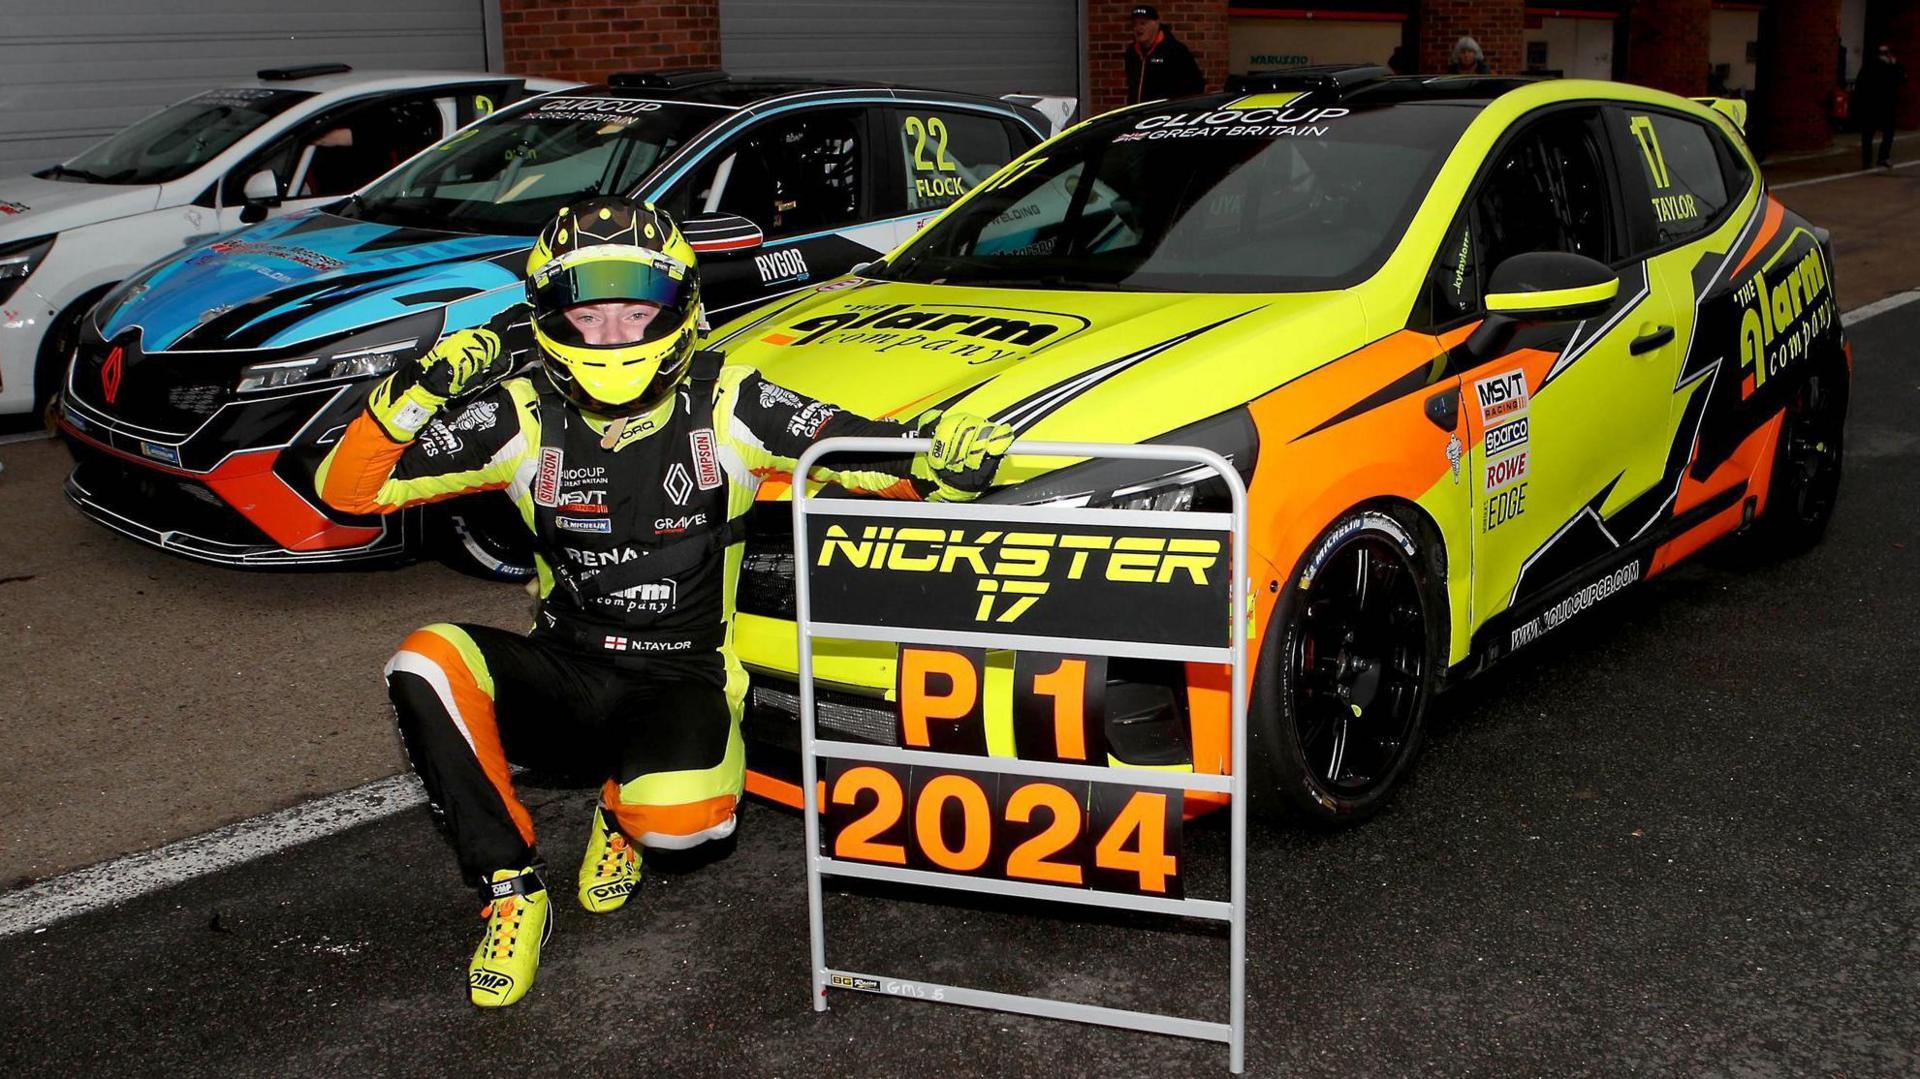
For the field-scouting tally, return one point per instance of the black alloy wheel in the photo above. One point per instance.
(1354, 657)
(1807, 465)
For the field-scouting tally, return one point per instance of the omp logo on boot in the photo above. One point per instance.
(490, 981)
(612, 889)
(979, 334)
(1012, 571)
(1780, 319)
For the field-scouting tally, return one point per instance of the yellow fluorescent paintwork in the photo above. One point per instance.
(1585, 423)
(1551, 299)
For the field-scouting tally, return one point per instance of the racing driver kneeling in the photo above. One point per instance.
(633, 461)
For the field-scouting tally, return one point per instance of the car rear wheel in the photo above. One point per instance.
(1807, 462)
(1350, 662)
(482, 536)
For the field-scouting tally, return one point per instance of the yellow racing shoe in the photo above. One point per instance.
(519, 920)
(610, 872)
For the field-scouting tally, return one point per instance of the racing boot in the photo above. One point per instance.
(610, 872)
(519, 920)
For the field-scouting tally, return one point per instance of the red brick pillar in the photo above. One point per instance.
(1200, 24)
(587, 40)
(1667, 44)
(1899, 26)
(1799, 69)
(1498, 25)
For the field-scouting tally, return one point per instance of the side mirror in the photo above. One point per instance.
(261, 191)
(1542, 287)
(712, 234)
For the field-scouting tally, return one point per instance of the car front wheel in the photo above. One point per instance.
(1349, 663)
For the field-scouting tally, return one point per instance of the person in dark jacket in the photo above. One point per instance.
(1876, 99)
(1157, 65)
(1468, 58)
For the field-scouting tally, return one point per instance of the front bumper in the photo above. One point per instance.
(245, 508)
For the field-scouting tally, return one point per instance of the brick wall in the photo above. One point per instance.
(1200, 24)
(1667, 44)
(1799, 68)
(1498, 25)
(579, 39)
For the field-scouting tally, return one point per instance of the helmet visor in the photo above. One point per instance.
(611, 302)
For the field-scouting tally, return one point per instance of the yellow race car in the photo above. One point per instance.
(1486, 350)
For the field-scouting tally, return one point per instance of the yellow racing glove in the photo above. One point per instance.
(410, 397)
(966, 452)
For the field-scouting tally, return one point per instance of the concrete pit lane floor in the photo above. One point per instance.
(1677, 838)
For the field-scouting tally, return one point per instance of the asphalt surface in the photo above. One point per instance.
(1677, 838)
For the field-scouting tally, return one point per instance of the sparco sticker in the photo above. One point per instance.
(546, 484)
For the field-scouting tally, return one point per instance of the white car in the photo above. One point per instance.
(296, 137)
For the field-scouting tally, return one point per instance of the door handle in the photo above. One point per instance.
(1651, 340)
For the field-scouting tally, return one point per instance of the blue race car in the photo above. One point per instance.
(205, 390)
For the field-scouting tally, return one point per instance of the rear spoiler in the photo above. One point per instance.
(1730, 107)
(1058, 111)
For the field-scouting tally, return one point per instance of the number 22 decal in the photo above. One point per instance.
(920, 129)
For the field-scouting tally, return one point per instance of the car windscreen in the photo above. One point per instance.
(510, 175)
(177, 139)
(1241, 197)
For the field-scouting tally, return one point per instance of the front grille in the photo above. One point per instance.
(161, 501)
(766, 570)
(201, 400)
(773, 715)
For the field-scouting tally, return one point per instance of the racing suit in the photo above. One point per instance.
(629, 668)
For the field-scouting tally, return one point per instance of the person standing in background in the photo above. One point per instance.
(1157, 65)
(1876, 99)
(1468, 59)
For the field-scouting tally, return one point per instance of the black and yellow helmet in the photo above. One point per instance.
(616, 304)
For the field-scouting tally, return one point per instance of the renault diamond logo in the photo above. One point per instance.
(678, 484)
(110, 372)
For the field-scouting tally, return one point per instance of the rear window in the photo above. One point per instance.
(1680, 160)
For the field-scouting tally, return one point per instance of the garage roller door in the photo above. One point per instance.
(79, 70)
(984, 46)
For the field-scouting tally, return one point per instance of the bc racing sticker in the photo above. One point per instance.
(11, 208)
(1781, 317)
(854, 981)
(975, 334)
(546, 482)
(1501, 397)
(706, 460)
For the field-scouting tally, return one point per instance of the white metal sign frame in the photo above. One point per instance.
(812, 747)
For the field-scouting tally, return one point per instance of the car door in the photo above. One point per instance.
(1569, 425)
(804, 179)
(342, 149)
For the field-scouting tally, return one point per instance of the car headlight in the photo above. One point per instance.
(363, 355)
(1107, 483)
(18, 261)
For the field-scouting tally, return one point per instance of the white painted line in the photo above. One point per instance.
(1879, 307)
(25, 436)
(109, 883)
(1841, 176)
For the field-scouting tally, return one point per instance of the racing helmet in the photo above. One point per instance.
(616, 305)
